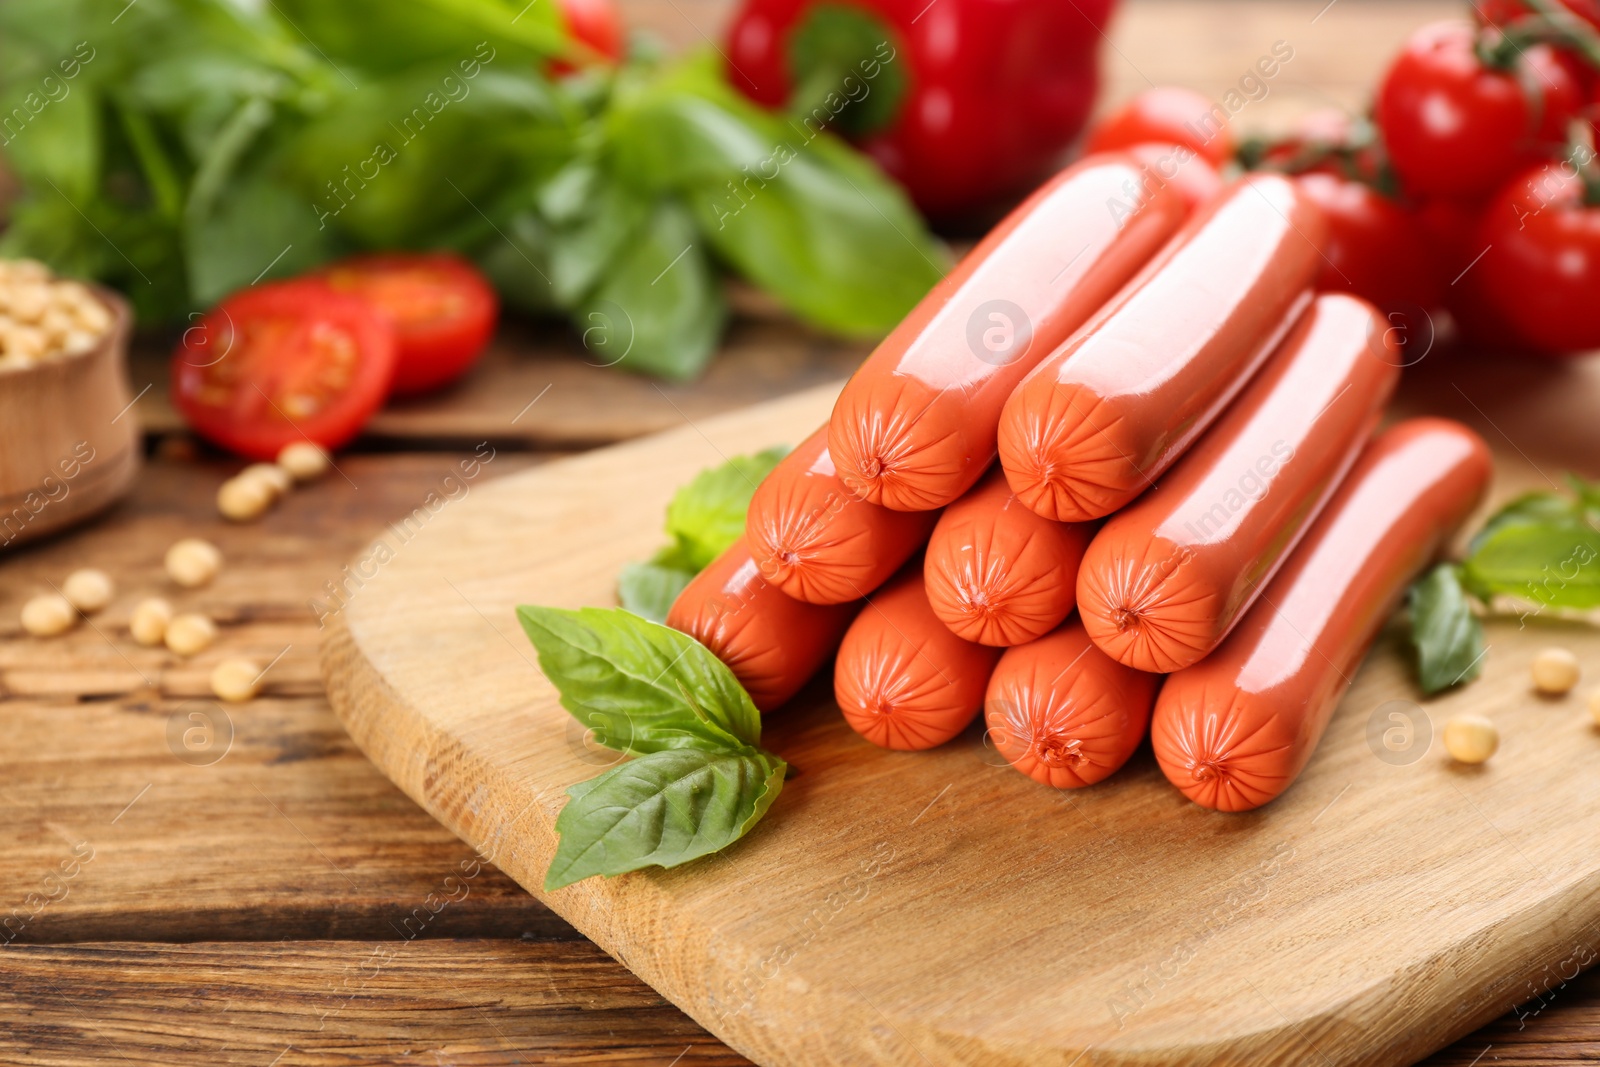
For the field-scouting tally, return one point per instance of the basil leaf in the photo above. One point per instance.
(1446, 634)
(659, 309)
(155, 162)
(569, 194)
(383, 166)
(648, 589)
(831, 237)
(661, 810)
(584, 249)
(222, 156)
(45, 226)
(1535, 507)
(1555, 563)
(517, 261)
(32, 34)
(641, 686)
(796, 211)
(707, 516)
(235, 245)
(382, 35)
(1588, 493)
(60, 144)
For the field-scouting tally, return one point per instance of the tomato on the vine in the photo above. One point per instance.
(1506, 12)
(280, 363)
(1374, 248)
(1457, 128)
(1450, 227)
(1167, 114)
(443, 311)
(1541, 270)
(1324, 141)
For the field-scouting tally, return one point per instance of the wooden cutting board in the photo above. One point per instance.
(939, 908)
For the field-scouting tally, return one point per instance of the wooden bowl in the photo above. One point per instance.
(69, 439)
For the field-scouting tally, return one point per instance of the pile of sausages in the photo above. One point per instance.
(1187, 456)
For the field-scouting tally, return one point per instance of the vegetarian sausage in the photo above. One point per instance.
(1168, 576)
(998, 574)
(915, 426)
(818, 541)
(1063, 712)
(772, 642)
(1233, 731)
(902, 679)
(1094, 423)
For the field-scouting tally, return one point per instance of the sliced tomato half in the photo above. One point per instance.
(442, 308)
(280, 363)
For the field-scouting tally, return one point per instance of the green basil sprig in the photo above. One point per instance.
(1447, 635)
(705, 517)
(699, 780)
(1542, 550)
(648, 589)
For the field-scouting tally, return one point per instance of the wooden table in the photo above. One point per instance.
(258, 893)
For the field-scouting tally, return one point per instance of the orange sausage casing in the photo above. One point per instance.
(1063, 712)
(902, 679)
(1094, 423)
(772, 642)
(1168, 576)
(915, 426)
(998, 574)
(1233, 731)
(818, 541)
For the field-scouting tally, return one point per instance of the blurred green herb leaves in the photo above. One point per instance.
(180, 149)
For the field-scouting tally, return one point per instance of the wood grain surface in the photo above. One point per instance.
(269, 823)
(207, 927)
(460, 1003)
(938, 905)
(372, 1002)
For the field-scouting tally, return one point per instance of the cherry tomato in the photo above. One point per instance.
(1541, 272)
(1167, 114)
(1479, 325)
(1456, 128)
(1326, 141)
(1505, 12)
(1374, 248)
(280, 363)
(596, 23)
(442, 309)
(1450, 227)
(1189, 174)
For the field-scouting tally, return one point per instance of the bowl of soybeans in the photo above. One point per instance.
(72, 436)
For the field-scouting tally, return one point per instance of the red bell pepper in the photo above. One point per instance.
(959, 100)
